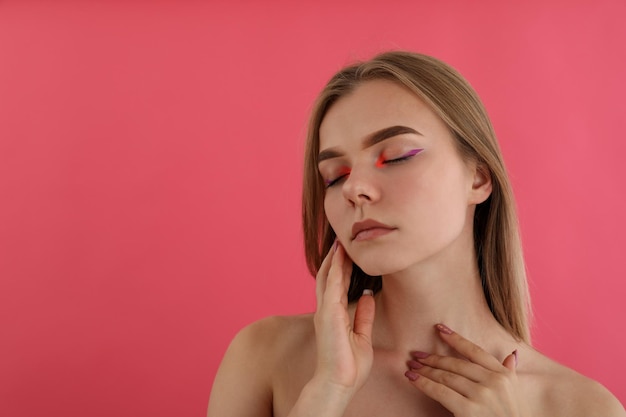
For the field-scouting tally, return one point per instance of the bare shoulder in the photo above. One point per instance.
(265, 331)
(249, 364)
(276, 337)
(560, 391)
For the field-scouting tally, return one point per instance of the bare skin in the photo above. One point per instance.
(269, 364)
(383, 356)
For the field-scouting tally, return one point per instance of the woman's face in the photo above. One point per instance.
(398, 192)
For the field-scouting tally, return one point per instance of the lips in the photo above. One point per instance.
(370, 228)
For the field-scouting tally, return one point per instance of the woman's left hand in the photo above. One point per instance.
(479, 386)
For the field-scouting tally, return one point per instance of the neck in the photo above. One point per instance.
(447, 291)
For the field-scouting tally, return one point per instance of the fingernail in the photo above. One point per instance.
(515, 354)
(335, 245)
(420, 355)
(411, 375)
(414, 364)
(368, 292)
(443, 328)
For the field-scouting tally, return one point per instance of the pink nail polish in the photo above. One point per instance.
(414, 365)
(335, 245)
(443, 328)
(420, 355)
(411, 375)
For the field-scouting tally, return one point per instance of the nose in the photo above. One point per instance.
(360, 187)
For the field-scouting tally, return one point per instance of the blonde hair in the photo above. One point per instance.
(496, 232)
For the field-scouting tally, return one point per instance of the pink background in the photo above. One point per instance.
(150, 164)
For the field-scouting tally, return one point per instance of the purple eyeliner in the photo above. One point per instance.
(412, 152)
(381, 161)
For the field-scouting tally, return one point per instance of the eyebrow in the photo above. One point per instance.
(370, 140)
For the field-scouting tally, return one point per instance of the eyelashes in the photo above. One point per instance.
(380, 162)
(344, 173)
(330, 183)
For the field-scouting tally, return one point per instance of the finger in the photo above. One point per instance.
(322, 274)
(456, 382)
(364, 315)
(465, 368)
(510, 362)
(347, 267)
(336, 289)
(446, 396)
(468, 349)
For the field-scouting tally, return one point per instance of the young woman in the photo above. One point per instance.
(410, 229)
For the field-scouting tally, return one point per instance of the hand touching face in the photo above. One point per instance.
(393, 173)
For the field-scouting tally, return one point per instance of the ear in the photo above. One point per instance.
(481, 186)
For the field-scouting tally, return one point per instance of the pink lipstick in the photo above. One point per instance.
(369, 229)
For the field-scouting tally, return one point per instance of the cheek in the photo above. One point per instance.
(435, 200)
(410, 191)
(331, 209)
(447, 206)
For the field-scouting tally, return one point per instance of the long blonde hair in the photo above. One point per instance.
(496, 232)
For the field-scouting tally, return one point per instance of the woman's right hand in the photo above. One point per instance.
(344, 349)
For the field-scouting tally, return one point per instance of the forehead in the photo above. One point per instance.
(372, 106)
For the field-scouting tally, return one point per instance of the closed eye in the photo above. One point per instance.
(330, 183)
(396, 160)
(379, 163)
(402, 158)
(341, 175)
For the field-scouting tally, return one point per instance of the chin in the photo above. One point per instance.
(388, 260)
(374, 266)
